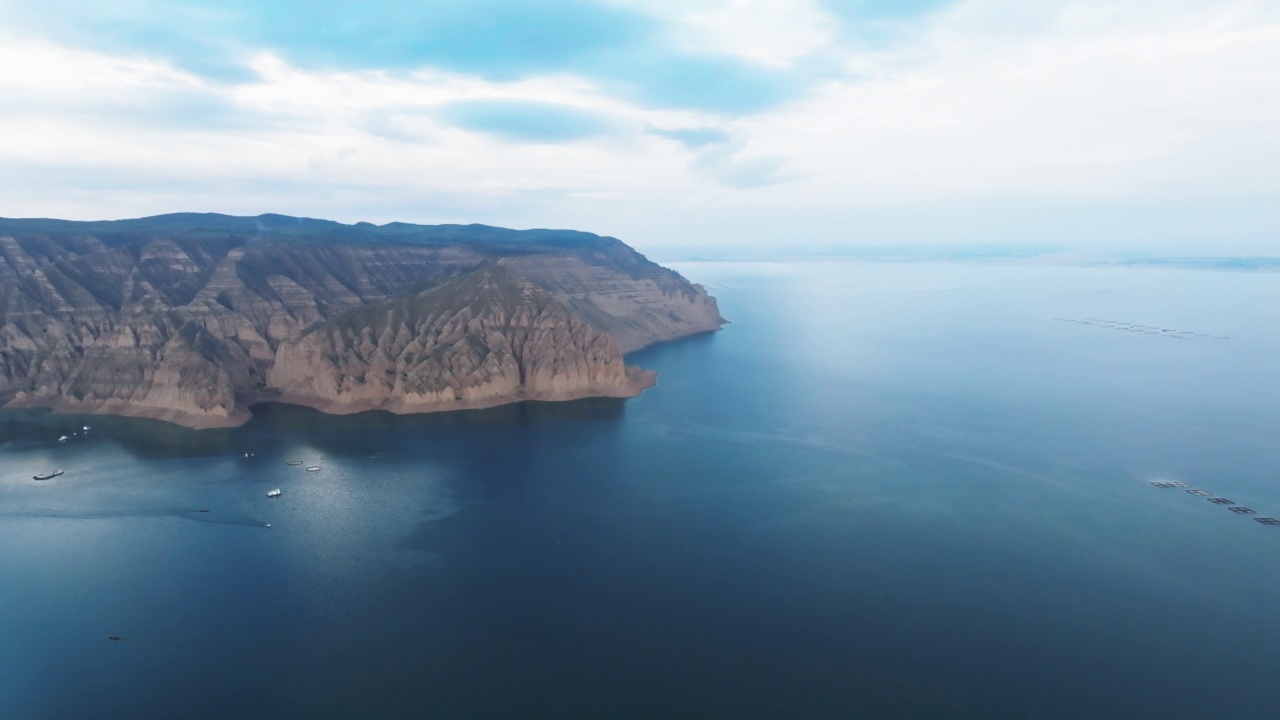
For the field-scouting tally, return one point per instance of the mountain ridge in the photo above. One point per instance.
(273, 226)
(184, 317)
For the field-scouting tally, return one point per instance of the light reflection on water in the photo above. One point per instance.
(884, 490)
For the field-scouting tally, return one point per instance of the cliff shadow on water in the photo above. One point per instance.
(140, 437)
(302, 421)
(272, 423)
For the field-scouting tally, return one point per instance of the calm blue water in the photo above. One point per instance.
(890, 491)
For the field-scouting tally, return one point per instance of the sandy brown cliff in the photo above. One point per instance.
(192, 318)
(487, 337)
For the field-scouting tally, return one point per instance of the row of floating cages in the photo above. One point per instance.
(1229, 504)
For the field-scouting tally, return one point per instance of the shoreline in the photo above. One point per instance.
(120, 408)
(639, 380)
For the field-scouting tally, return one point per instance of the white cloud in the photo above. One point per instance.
(993, 103)
(41, 67)
(772, 32)
(1092, 104)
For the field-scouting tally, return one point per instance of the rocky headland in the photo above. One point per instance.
(192, 318)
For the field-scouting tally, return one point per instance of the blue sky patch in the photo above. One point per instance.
(723, 85)
(855, 10)
(629, 52)
(524, 120)
(691, 137)
(493, 38)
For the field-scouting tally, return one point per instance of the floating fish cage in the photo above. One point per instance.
(1268, 521)
(1222, 501)
(1242, 510)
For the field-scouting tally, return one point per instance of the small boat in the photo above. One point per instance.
(314, 468)
(46, 476)
(294, 462)
(62, 439)
(275, 493)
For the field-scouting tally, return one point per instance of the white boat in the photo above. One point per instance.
(275, 493)
(62, 439)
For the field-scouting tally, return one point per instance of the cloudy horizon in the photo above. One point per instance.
(741, 124)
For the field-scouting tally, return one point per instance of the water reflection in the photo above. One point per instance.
(140, 437)
(358, 434)
(902, 508)
(302, 420)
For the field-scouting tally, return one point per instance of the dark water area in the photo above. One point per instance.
(889, 491)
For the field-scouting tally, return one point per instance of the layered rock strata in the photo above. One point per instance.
(192, 318)
(488, 337)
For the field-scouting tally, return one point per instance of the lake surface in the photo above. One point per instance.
(886, 490)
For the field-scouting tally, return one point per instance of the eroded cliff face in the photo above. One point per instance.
(638, 305)
(490, 336)
(194, 322)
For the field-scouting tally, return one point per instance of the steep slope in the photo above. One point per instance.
(490, 336)
(180, 317)
(638, 305)
(178, 331)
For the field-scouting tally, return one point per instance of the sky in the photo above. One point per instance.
(739, 126)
